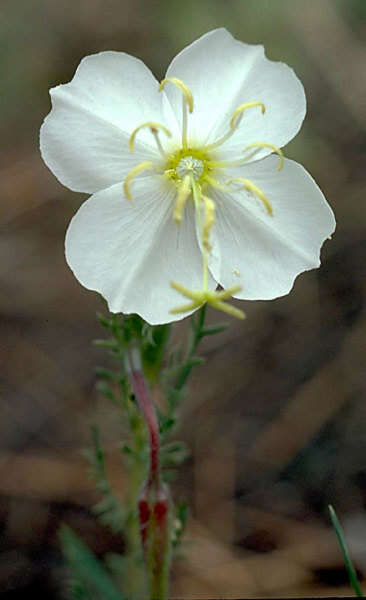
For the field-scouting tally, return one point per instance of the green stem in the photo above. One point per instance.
(347, 559)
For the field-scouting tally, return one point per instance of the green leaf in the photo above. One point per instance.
(104, 389)
(212, 329)
(180, 523)
(87, 569)
(347, 559)
(106, 343)
(106, 374)
(153, 349)
(165, 424)
(105, 322)
(174, 453)
(109, 509)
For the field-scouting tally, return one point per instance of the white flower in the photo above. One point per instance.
(199, 157)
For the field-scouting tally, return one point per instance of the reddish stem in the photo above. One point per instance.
(147, 408)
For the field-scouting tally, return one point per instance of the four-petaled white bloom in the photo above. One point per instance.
(212, 200)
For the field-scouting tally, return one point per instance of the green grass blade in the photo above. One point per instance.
(86, 568)
(347, 559)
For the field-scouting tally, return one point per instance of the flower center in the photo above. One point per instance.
(190, 166)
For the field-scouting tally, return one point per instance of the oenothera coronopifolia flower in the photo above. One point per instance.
(190, 188)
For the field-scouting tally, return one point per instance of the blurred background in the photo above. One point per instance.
(276, 417)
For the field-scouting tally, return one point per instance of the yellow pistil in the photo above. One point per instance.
(271, 147)
(154, 127)
(199, 297)
(143, 166)
(251, 187)
(209, 221)
(215, 299)
(181, 199)
(187, 101)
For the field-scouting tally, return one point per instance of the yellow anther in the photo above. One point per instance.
(251, 187)
(209, 221)
(183, 88)
(143, 166)
(182, 196)
(199, 297)
(234, 122)
(271, 147)
(154, 127)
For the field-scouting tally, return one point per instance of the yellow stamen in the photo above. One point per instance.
(187, 101)
(238, 112)
(234, 122)
(182, 196)
(209, 221)
(214, 183)
(143, 166)
(154, 127)
(271, 147)
(251, 187)
(182, 86)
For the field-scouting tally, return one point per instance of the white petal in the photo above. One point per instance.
(224, 73)
(84, 139)
(265, 253)
(131, 253)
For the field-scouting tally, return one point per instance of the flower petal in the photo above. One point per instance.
(224, 73)
(84, 139)
(265, 253)
(131, 253)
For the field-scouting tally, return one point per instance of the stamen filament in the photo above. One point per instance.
(154, 127)
(158, 143)
(182, 196)
(238, 112)
(214, 183)
(251, 187)
(242, 161)
(235, 122)
(143, 166)
(187, 101)
(275, 149)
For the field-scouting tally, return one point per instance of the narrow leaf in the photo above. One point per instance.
(347, 559)
(86, 567)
